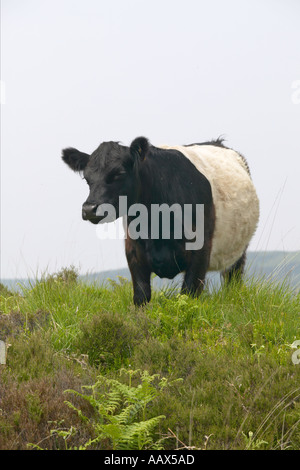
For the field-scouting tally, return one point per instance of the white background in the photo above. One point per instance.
(79, 72)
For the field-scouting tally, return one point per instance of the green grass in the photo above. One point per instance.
(231, 350)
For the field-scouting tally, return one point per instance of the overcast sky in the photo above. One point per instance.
(79, 72)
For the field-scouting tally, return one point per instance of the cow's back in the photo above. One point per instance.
(234, 196)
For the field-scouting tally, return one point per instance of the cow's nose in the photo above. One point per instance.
(88, 211)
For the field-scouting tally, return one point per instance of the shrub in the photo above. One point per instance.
(107, 339)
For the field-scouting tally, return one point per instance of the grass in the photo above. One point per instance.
(228, 352)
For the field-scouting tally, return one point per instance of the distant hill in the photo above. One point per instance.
(278, 265)
(275, 265)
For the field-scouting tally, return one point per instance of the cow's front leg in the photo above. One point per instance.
(141, 285)
(194, 278)
(140, 272)
(193, 283)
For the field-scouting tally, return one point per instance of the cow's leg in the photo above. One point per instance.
(140, 273)
(235, 272)
(195, 274)
(141, 284)
(198, 261)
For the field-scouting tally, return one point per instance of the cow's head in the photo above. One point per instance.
(110, 172)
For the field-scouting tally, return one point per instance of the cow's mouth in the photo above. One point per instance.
(95, 215)
(94, 220)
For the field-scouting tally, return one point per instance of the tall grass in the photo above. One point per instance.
(231, 348)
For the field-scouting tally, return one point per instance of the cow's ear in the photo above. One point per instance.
(139, 148)
(75, 159)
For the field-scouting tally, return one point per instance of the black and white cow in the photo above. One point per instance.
(209, 174)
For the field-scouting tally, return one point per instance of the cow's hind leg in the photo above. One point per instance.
(236, 271)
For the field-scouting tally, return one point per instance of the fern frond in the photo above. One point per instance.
(138, 436)
(120, 411)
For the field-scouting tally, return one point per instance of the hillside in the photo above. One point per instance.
(85, 369)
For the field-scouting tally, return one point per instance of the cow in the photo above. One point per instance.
(208, 175)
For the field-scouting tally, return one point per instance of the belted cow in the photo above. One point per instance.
(207, 175)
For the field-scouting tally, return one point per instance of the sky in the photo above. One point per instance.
(75, 73)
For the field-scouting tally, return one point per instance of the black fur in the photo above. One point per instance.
(76, 160)
(139, 147)
(216, 143)
(150, 175)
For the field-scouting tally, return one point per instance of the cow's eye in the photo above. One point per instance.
(112, 177)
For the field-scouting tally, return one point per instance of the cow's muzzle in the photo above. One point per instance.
(89, 212)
